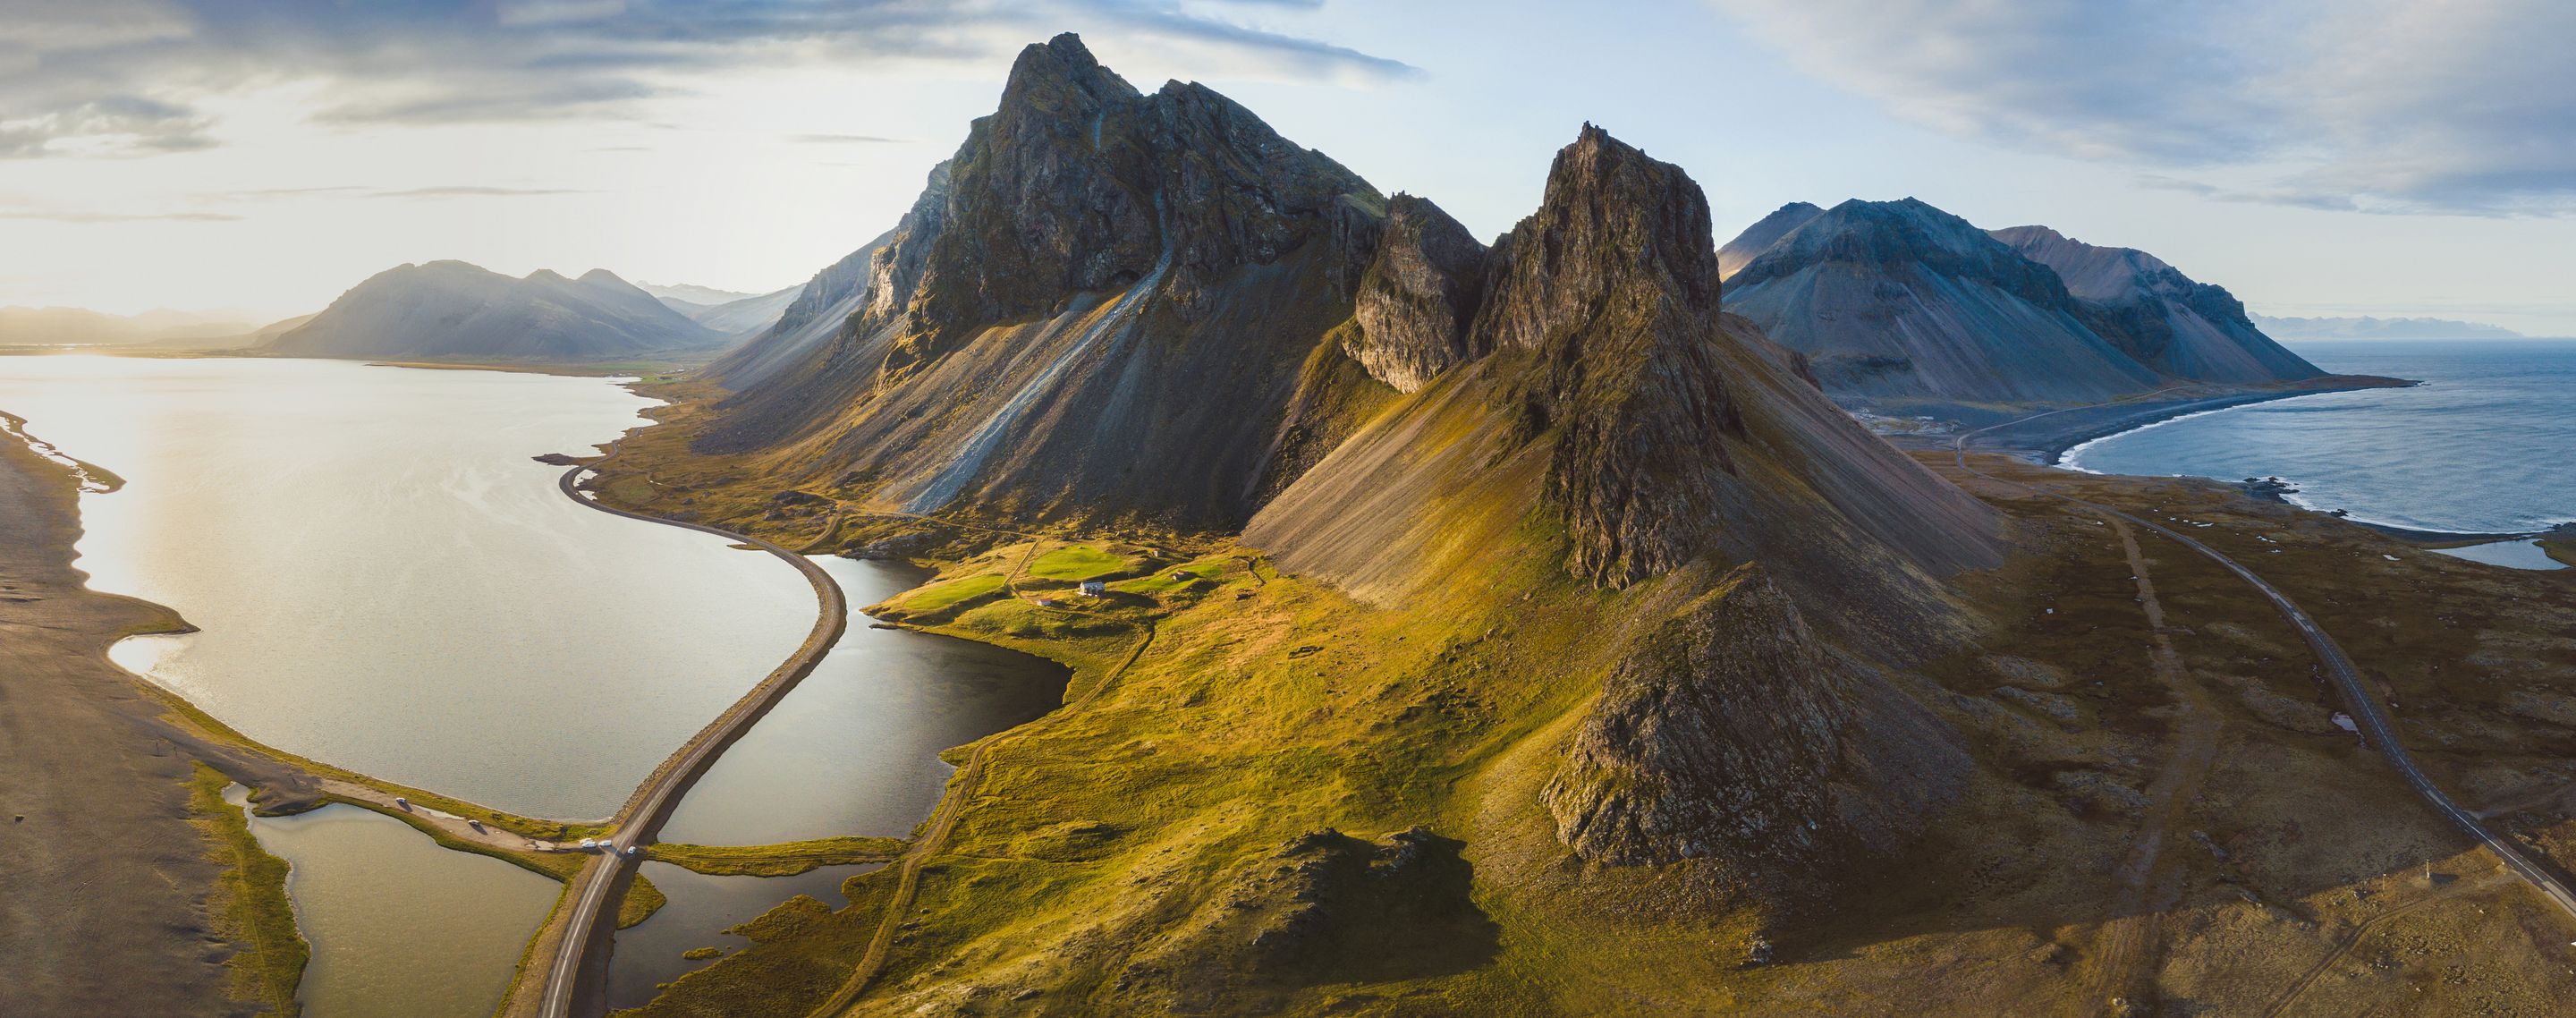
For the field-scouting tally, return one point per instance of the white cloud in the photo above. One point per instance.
(66, 65)
(110, 126)
(2380, 105)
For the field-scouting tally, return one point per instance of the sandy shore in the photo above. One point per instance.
(105, 907)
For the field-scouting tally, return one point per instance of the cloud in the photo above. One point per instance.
(65, 64)
(354, 191)
(120, 125)
(474, 192)
(2261, 196)
(78, 216)
(2378, 105)
(845, 139)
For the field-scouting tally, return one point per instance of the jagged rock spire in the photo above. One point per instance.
(1613, 218)
(1613, 282)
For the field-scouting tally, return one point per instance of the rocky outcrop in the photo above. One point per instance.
(2174, 324)
(1613, 284)
(1418, 296)
(1732, 737)
(455, 311)
(1615, 227)
(1081, 183)
(1323, 908)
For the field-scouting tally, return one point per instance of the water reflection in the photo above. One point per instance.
(400, 927)
(387, 582)
(2510, 554)
(701, 909)
(854, 749)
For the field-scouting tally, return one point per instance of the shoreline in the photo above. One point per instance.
(2053, 449)
(2053, 444)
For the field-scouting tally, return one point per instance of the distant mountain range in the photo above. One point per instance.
(1903, 300)
(739, 316)
(691, 293)
(450, 310)
(2381, 328)
(50, 326)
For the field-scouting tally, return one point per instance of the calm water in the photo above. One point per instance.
(2484, 448)
(400, 927)
(854, 749)
(700, 910)
(385, 581)
(2511, 554)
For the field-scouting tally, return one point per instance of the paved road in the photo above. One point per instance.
(597, 889)
(2364, 708)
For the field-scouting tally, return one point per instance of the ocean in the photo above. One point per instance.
(2484, 446)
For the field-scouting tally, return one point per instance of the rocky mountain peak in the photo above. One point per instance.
(1907, 233)
(1078, 182)
(1059, 76)
(1612, 218)
(1613, 283)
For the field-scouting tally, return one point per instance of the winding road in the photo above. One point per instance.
(575, 968)
(2364, 708)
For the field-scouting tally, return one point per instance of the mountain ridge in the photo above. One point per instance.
(1903, 300)
(2366, 327)
(2176, 325)
(453, 310)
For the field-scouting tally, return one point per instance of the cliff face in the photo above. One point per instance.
(456, 311)
(1655, 429)
(1731, 737)
(2177, 325)
(1080, 183)
(1613, 285)
(1418, 296)
(1101, 285)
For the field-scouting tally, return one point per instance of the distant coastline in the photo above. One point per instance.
(2046, 439)
(2327, 490)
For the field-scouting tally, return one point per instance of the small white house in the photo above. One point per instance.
(1095, 588)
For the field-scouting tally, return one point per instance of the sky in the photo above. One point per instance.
(2316, 157)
